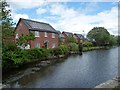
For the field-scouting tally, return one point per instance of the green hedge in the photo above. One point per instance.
(38, 53)
(73, 47)
(61, 50)
(87, 44)
(13, 56)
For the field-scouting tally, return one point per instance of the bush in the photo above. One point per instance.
(13, 57)
(57, 51)
(87, 44)
(9, 47)
(37, 53)
(80, 46)
(64, 49)
(73, 47)
(61, 50)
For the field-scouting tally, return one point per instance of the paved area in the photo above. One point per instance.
(109, 84)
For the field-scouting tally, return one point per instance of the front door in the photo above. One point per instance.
(46, 44)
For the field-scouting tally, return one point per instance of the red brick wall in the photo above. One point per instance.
(22, 29)
(63, 39)
(78, 40)
(41, 40)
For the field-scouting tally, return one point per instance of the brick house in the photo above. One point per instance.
(79, 38)
(45, 34)
(65, 35)
(60, 35)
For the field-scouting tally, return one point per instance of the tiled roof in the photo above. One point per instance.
(68, 33)
(79, 35)
(40, 26)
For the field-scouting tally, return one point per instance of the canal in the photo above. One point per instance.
(85, 71)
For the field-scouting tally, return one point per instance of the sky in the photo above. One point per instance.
(65, 15)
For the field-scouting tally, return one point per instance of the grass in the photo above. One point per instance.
(90, 48)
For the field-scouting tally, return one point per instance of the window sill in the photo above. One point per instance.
(37, 36)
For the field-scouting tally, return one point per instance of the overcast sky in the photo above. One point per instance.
(74, 17)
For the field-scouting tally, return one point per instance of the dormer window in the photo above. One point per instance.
(53, 35)
(45, 34)
(16, 36)
(36, 34)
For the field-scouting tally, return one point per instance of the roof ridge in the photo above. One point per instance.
(67, 32)
(35, 21)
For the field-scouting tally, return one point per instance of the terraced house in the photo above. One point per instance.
(45, 34)
(79, 38)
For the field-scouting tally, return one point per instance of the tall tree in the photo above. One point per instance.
(6, 21)
(100, 35)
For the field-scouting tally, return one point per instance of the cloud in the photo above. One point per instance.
(19, 4)
(17, 16)
(40, 11)
(75, 21)
(70, 19)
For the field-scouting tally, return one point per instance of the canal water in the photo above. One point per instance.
(76, 71)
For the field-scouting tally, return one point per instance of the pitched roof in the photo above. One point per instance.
(79, 36)
(39, 26)
(68, 33)
(59, 32)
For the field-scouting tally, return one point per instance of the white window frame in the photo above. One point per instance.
(28, 46)
(37, 45)
(53, 45)
(37, 34)
(53, 35)
(16, 36)
(45, 34)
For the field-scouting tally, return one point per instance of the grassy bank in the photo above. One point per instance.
(92, 48)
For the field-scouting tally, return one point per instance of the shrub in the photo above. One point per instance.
(9, 47)
(64, 49)
(61, 50)
(57, 51)
(14, 58)
(73, 47)
(20, 57)
(80, 46)
(87, 44)
(37, 53)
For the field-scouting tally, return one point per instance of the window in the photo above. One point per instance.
(16, 36)
(28, 46)
(45, 34)
(74, 36)
(53, 35)
(37, 45)
(53, 45)
(36, 34)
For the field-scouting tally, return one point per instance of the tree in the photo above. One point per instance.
(6, 29)
(113, 40)
(73, 47)
(87, 44)
(118, 40)
(70, 39)
(7, 21)
(59, 41)
(23, 40)
(100, 35)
